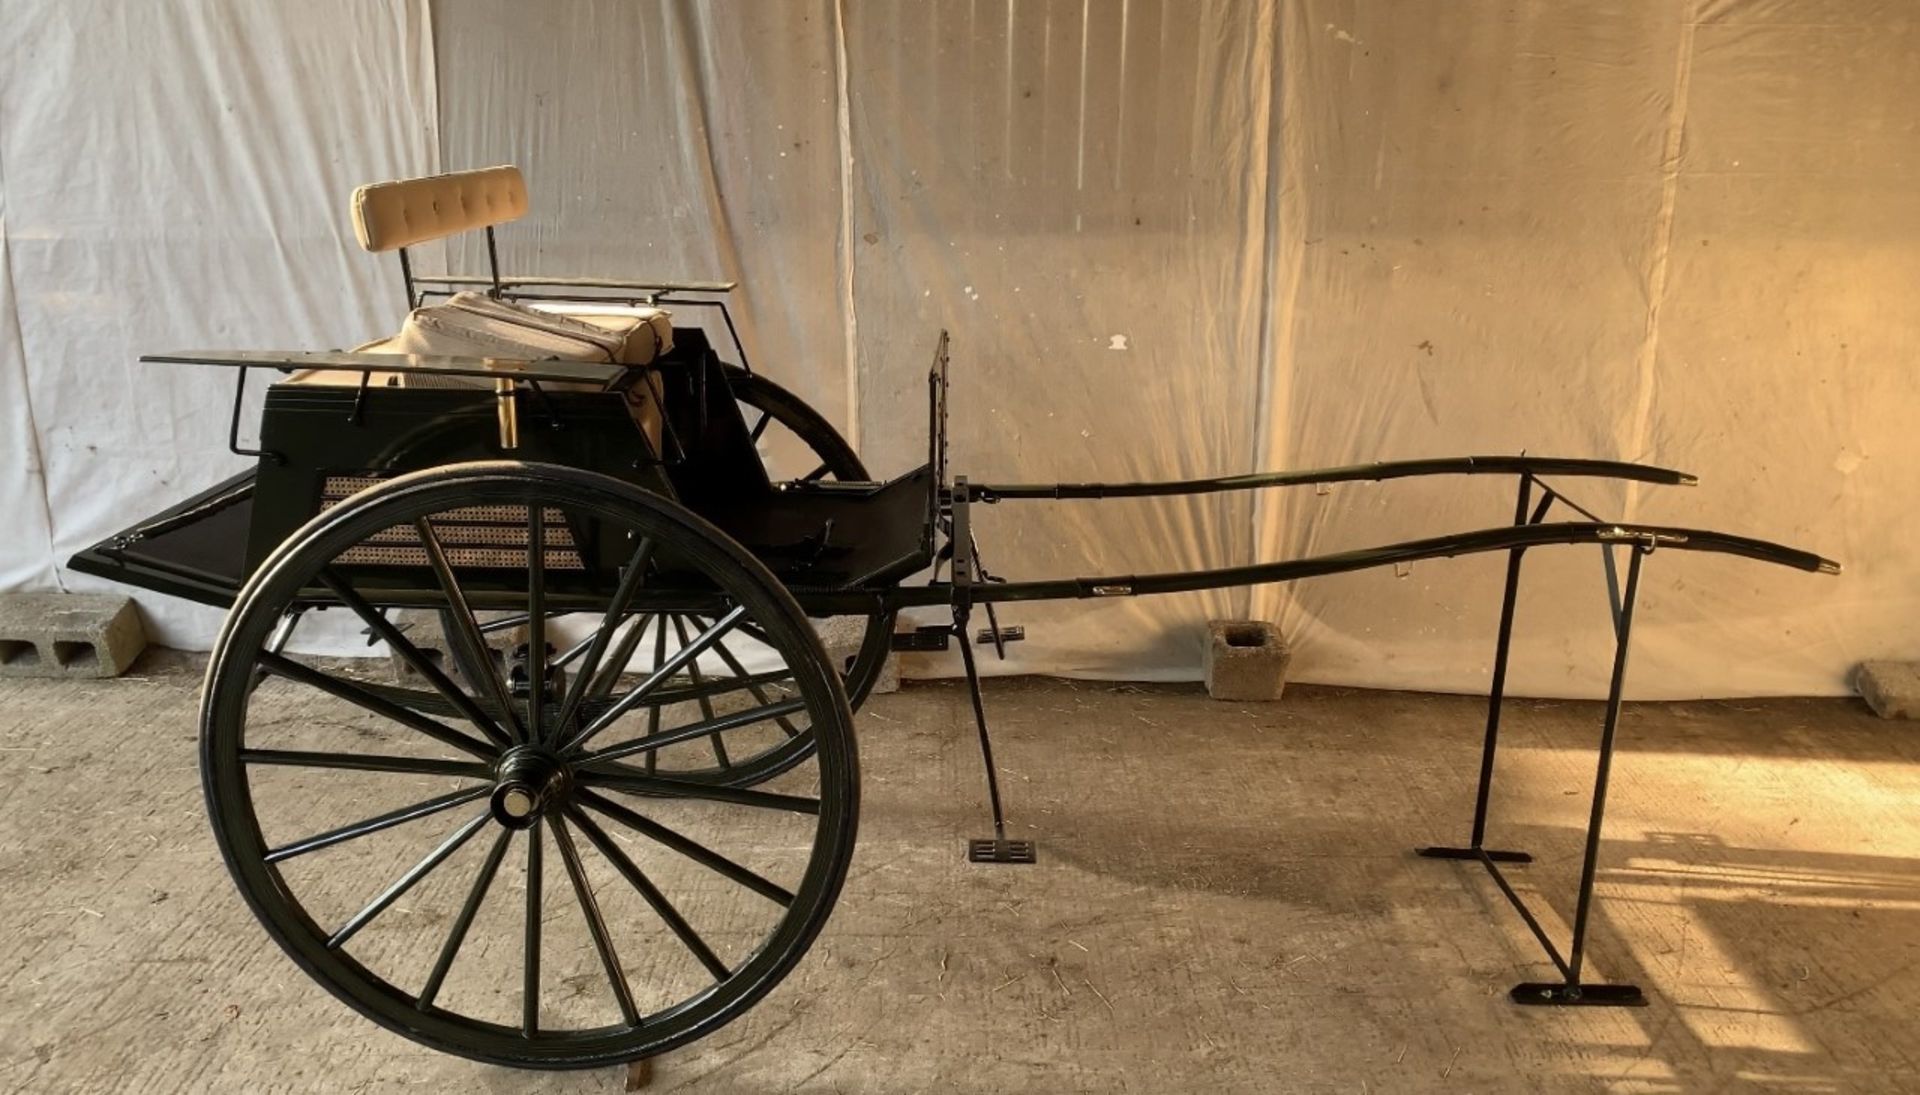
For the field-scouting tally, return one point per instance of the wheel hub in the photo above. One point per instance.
(528, 782)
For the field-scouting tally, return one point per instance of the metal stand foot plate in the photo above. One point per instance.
(1473, 853)
(1558, 994)
(1000, 851)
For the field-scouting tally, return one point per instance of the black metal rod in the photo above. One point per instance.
(1526, 914)
(1497, 690)
(980, 725)
(1397, 469)
(514, 281)
(493, 261)
(1612, 568)
(1603, 770)
(233, 423)
(406, 276)
(733, 332)
(1555, 495)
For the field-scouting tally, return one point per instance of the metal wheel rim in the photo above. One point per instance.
(245, 848)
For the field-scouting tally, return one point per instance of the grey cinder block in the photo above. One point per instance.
(1892, 689)
(1245, 660)
(68, 634)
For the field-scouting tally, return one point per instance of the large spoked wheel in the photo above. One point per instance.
(404, 857)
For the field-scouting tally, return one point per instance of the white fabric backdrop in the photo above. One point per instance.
(1171, 239)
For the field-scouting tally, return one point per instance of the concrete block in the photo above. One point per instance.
(889, 679)
(842, 635)
(1892, 689)
(68, 634)
(1245, 660)
(422, 628)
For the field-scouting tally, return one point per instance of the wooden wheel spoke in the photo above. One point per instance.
(368, 762)
(630, 781)
(282, 666)
(616, 614)
(706, 705)
(457, 934)
(760, 427)
(616, 663)
(466, 627)
(816, 474)
(536, 621)
(415, 658)
(751, 682)
(507, 623)
(378, 823)
(406, 882)
(530, 965)
(653, 712)
(596, 924)
(659, 676)
(706, 728)
(690, 848)
(631, 871)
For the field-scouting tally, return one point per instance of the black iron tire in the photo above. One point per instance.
(290, 576)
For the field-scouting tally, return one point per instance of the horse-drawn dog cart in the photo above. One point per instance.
(553, 461)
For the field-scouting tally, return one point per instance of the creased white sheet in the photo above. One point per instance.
(1170, 239)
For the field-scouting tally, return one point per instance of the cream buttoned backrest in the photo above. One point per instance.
(392, 215)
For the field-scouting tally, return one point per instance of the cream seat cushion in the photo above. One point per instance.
(477, 325)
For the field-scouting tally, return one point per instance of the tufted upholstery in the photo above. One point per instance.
(389, 215)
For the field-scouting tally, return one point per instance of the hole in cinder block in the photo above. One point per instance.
(71, 653)
(1245, 635)
(16, 652)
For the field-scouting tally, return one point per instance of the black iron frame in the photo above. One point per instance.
(1570, 990)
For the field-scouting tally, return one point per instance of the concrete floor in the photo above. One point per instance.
(1225, 901)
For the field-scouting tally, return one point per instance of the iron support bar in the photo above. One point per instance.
(998, 849)
(1503, 646)
(1570, 990)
